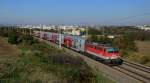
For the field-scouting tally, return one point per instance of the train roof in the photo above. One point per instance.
(101, 44)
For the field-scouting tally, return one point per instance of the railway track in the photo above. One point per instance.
(136, 71)
(138, 66)
(132, 70)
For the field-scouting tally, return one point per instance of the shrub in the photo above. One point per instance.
(27, 39)
(13, 39)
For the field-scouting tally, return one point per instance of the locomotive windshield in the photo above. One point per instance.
(112, 50)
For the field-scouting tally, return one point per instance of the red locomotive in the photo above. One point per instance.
(105, 53)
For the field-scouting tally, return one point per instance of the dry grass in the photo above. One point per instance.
(7, 50)
(143, 54)
(144, 47)
(8, 56)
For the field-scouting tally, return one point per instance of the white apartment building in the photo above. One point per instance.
(146, 28)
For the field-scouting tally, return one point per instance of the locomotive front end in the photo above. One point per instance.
(113, 56)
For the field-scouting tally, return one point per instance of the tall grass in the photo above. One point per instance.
(47, 61)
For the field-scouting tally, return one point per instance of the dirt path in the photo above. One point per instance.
(7, 51)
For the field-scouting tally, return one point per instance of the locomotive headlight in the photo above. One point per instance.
(107, 57)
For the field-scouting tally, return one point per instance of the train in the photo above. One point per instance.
(105, 53)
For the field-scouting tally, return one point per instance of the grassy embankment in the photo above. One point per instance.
(143, 54)
(8, 56)
(42, 63)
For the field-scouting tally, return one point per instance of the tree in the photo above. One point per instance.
(125, 43)
(94, 38)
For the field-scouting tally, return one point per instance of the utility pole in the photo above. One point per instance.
(41, 32)
(11, 28)
(23, 30)
(86, 32)
(60, 37)
(30, 31)
(103, 31)
(17, 29)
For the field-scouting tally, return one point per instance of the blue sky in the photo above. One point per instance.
(104, 12)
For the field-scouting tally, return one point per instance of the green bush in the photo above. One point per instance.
(27, 39)
(13, 39)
